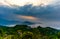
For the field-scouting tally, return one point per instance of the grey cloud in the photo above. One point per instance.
(48, 12)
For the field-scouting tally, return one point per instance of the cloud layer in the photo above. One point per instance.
(48, 15)
(24, 2)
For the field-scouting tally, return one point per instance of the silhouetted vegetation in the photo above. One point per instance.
(26, 32)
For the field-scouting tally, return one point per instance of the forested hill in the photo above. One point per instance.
(26, 32)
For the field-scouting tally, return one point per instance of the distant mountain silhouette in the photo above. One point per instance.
(28, 23)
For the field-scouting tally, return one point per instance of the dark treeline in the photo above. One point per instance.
(26, 32)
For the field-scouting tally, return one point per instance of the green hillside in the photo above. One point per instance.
(26, 32)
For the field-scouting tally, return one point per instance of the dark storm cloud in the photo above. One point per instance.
(9, 15)
(6, 16)
(48, 12)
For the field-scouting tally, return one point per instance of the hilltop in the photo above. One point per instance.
(26, 32)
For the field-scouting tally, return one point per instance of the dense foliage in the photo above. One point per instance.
(26, 32)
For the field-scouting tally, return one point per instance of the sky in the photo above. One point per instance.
(45, 13)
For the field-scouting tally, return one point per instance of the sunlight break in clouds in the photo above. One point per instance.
(23, 2)
(27, 17)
